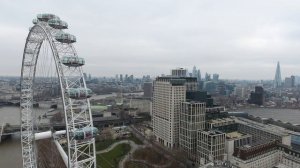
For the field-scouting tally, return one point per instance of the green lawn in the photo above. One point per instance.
(111, 159)
(101, 145)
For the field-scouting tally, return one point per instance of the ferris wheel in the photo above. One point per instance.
(50, 61)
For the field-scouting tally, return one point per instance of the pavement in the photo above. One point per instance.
(134, 147)
(131, 143)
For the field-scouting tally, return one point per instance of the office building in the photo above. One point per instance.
(121, 77)
(210, 146)
(179, 72)
(168, 94)
(289, 82)
(262, 132)
(192, 119)
(207, 77)
(270, 154)
(239, 92)
(147, 87)
(215, 77)
(257, 97)
(194, 72)
(263, 155)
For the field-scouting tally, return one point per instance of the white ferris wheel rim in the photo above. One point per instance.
(72, 120)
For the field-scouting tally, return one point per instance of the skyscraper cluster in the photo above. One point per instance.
(196, 73)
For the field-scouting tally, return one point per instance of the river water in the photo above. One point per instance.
(285, 115)
(10, 150)
(11, 153)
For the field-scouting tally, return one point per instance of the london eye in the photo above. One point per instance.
(51, 66)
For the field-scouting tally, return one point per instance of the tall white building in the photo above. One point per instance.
(192, 119)
(168, 94)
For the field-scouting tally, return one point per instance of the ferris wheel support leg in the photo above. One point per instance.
(62, 152)
(48, 134)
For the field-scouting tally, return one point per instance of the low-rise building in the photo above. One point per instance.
(268, 155)
(234, 140)
(263, 132)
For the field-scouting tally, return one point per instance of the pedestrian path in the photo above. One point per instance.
(112, 146)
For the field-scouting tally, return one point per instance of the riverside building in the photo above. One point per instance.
(168, 94)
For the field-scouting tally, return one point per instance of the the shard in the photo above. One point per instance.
(277, 80)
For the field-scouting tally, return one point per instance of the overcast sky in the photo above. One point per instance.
(239, 39)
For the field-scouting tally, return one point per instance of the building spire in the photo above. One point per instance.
(277, 80)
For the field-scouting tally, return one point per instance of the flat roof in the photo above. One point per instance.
(223, 120)
(264, 127)
(234, 134)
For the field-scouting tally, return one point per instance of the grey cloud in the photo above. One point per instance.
(151, 36)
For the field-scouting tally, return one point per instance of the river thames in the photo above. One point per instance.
(10, 150)
(285, 115)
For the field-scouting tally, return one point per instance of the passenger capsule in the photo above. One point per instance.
(72, 61)
(29, 51)
(28, 63)
(85, 133)
(34, 21)
(57, 24)
(79, 93)
(65, 38)
(46, 16)
(33, 40)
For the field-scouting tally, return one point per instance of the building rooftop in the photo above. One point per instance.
(221, 120)
(168, 78)
(234, 134)
(281, 166)
(212, 132)
(268, 128)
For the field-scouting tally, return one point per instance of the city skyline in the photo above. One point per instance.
(133, 37)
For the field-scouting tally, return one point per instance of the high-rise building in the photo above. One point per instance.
(194, 72)
(198, 75)
(179, 72)
(168, 94)
(210, 146)
(239, 91)
(192, 119)
(207, 77)
(121, 77)
(215, 77)
(289, 82)
(147, 89)
(257, 97)
(277, 80)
